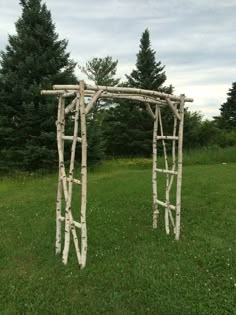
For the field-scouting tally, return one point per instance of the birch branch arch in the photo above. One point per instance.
(154, 102)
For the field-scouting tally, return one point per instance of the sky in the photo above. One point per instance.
(194, 39)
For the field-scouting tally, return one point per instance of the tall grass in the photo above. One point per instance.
(203, 156)
(210, 155)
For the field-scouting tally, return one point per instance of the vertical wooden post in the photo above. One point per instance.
(60, 132)
(174, 142)
(167, 209)
(68, 214)
(154, 166)
(83, 176)
(173, 165)
(180, 165)
(62, 174)
(66, 183)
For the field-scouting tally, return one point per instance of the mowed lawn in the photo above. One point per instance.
(131, 268)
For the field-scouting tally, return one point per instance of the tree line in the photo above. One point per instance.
(35, 58)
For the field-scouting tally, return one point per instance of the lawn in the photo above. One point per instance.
(131, 268)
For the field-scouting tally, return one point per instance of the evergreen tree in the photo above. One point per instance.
(101, 71)
(34, 59)
(130, 119)
(127, 131)
(228, 110)
(148, 74)
(96, 141)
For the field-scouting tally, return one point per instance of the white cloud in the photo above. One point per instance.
(194, 39)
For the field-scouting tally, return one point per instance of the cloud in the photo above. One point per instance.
(194, 39)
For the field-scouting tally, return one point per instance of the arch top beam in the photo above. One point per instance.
(116, 89)
(107, 95)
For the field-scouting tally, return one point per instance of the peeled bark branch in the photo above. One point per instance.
(70, 106)
(83, 177)
(93, 101)
(148, 107)
(180, 161)
(172, 108)
(154, 165)
(121, 89)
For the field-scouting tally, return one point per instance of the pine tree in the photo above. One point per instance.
(228, 109)
(34, 59)
(126, 130)
(101, 71)
(135, 137)
(148, 74)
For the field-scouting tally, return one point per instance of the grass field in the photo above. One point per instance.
(131, 268)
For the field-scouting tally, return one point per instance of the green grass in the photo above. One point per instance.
(210, 155)
(131, 268)
(202, 156)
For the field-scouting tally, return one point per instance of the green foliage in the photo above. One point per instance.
(210, 155)
(131, 268)
(209, 134)
(128, 127)
(228, 110)
(196, 156)
(96, 145)
(101, 71)
(227, 138)
(192, 127)
(148, 74)
(34, 59)
(199, 133)
(127, 130)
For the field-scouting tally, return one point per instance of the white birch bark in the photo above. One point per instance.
(149, 110)
(83, 177)
(58, 92)
(167, 209)
(164, 204)
(180, 161)
(70, 106)
(93, 101)
(166, 171)
(154, 165)
(68, 215)
(121, 89)
(60, 131)
(140, 98)
(173, 108)
(174, 138)
(70, 186)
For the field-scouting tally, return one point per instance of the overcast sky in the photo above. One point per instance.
(195, 39)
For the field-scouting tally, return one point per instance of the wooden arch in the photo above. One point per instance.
(154, 101)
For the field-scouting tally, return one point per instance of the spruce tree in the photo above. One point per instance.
(228, 109)
(34, 59)
(148, 74)
(137, 126)
(126, 131)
